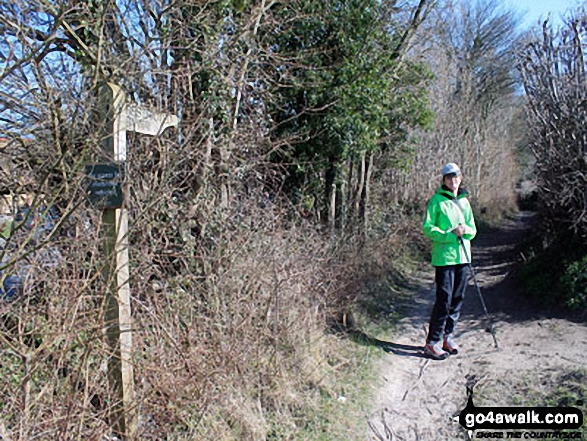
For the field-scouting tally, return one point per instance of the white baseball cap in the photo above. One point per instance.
(451, 168)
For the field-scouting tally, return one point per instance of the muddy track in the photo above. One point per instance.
(418, 397)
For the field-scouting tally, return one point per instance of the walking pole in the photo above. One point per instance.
(491, 330)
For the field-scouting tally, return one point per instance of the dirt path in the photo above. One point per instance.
(419, 397)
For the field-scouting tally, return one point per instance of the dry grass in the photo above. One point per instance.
(231, 333)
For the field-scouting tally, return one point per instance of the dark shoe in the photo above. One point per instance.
(435, 351)
(450, 346)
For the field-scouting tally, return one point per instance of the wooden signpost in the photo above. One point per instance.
(106, 192)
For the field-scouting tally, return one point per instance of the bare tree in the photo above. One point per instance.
(553, 69)
(470, 48)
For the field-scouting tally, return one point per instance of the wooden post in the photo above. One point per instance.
(121, 117)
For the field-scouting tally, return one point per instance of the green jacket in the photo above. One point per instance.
(442, 217)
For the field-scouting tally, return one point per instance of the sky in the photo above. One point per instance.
(539, 9)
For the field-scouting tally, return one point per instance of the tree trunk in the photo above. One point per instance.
(330, 192)
(332, 209)
(360, 186)
(364, 203)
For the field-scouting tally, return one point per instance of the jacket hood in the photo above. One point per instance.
(445, 191)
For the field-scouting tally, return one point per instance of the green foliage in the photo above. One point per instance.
(574, 283)
(556, 274)
(346, 94)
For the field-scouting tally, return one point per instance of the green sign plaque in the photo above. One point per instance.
(104, 185)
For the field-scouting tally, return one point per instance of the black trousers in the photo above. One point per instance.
(451, 283)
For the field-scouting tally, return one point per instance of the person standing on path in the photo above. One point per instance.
(450, 225)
